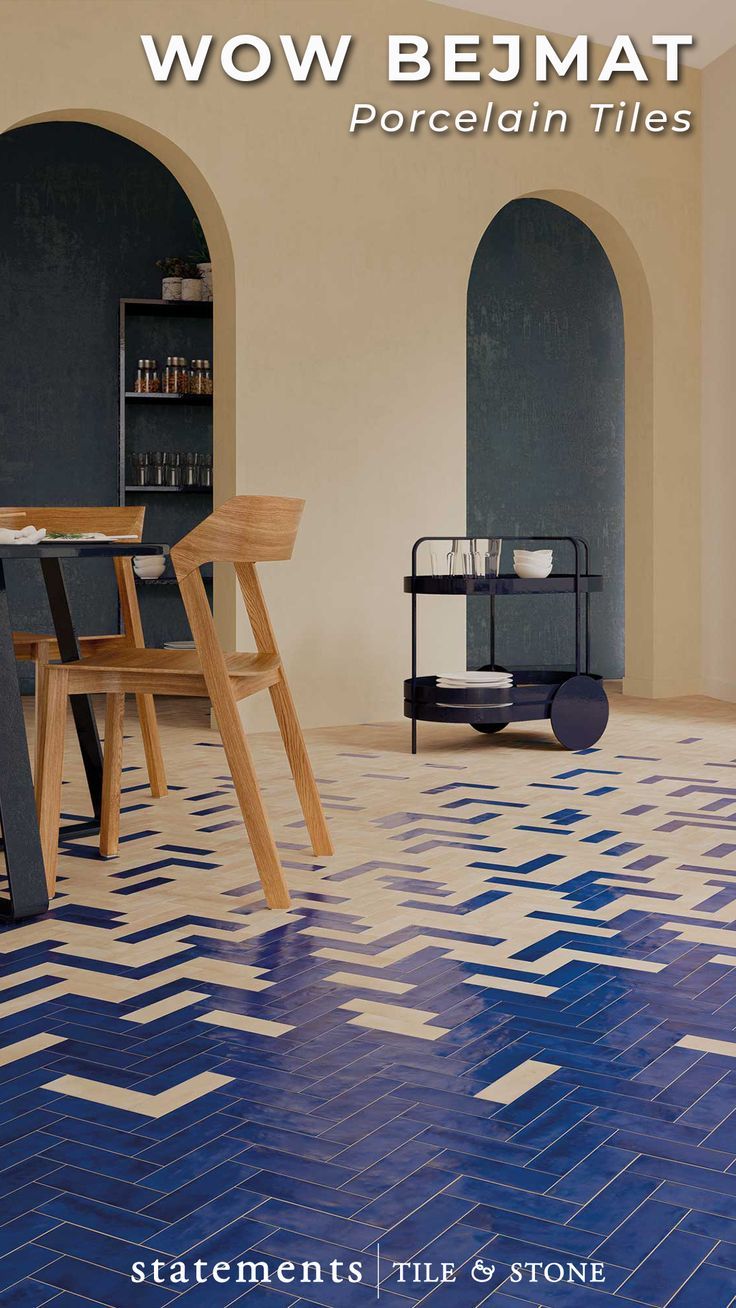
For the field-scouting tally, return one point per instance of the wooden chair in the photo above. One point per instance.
(245, 531)
(41, 648)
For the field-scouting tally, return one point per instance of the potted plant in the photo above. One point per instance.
(191, 285)
(202, 259)
(172, 277)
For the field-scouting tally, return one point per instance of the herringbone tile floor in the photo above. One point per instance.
(499, 1025)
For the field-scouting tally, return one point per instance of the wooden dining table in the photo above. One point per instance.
(27, 895)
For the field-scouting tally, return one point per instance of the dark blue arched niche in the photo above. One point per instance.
(545, 444)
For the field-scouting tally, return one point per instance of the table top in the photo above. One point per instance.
(80, 549)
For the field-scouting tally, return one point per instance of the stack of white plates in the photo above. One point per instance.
(532, 563)
(479, 679)
(476, 681)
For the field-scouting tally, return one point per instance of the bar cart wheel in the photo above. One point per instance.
(579, 712)
(490, 728)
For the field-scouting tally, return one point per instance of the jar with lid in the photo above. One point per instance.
(146, 378)
(205, 471)
(189, 471)
(176, 376)
(172, 470)
(201, 379)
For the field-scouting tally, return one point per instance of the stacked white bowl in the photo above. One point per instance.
(149, 567)
(532, 563)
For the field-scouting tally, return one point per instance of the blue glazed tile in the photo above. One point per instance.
(572, 1147)
(352, 1233)
(339, 1203)
(635, 1238)
(587, 1178)
(100, 1285)
(708, 1285)
(548, 1235)
(518, 1201)
(173, 1207)
(665, 1271)
(177, 1238)
(407, 1237)
(614, 1203)
(27, 1294)
(100, 1217)
(22, 1263)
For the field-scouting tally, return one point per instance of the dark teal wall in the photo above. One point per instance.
(84, 216)
(545, 446)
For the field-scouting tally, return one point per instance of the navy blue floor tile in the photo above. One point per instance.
(667, 1268)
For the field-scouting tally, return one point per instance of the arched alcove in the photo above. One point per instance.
(545, 440)
(204, 202)
(149, 175)
(641, 657)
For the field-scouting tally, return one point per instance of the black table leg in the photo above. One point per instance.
(84, 718)
(21, 842)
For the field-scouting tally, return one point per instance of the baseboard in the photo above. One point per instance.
(719, 688)
(663, 688)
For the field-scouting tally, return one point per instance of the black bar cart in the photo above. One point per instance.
(573, 700)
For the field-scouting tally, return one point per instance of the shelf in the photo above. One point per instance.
(529, 699)
(166, 581)
(195, 308)
(507, 584)
(168, 490)
(158, 397)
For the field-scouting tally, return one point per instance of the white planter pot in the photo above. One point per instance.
(205, 276)
(191, 288)
(171, 288)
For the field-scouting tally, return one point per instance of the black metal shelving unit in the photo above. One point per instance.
(158, 421)
(573, 699)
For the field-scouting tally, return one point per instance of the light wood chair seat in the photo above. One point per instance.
(245, 531)
(168, 672)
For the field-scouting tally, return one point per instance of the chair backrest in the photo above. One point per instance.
(111, 520)
(245, 529)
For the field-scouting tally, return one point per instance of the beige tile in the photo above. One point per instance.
(242, 1022)
(163, 1007)
(32, 1045)
(375, 1006)
(136, 1101)
(22, 1003)
(725, 1047)
(507, 983)
(385, 1022)
(369, 982)
(517, 1082)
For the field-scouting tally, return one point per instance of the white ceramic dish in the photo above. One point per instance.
(531, 571)
(149, 566)
(472, 676)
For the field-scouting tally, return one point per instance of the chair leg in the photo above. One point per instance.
(48, 782)
(112, 776)
(41, 666)
(301, 767)
(242, 771)
(152, 745)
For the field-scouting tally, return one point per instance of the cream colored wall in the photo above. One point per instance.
(719, 376)
(350, 259)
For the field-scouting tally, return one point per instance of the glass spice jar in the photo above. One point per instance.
(142, 383)
(176, 376)
(154, 385)
(201, 381)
